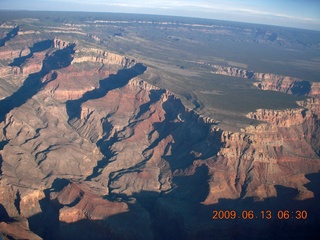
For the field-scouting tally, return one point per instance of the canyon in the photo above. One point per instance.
(90, 150)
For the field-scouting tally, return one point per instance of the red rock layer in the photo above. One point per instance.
(137, 141)
(273, 82)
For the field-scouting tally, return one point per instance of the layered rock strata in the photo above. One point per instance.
(106, 151)
(273, 82)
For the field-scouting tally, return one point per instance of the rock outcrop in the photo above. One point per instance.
(60, 44)
(263, 156)
(280, 118)
(100, 218)
(273, 82)
(88, 150)
(9, 53)
(32, 65)
(103, 57)
(17, 230)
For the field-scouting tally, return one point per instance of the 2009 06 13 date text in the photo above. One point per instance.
(264, 214)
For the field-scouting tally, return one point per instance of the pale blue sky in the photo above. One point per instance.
(292, 13)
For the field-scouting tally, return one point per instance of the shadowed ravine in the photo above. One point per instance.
(104, 143)
(9, 36)
(120, 79)
(33, 84)
(114, 81)
(37, 47)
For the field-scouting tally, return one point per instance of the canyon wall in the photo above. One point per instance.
(89, 149)
(104, 57)
(273, 82)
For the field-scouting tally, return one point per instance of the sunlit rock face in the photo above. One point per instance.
(89, 149)
(273, 82)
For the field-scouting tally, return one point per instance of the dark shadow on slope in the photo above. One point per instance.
(2, 144)
(176, 217)
(122, 226)
(17, 201)
(105, 144)
(9, 36)
(46, 223)
(118, 80)
(58, 184)
(61, 58)
(301, 88)
(154, 96)
(1, 161)
(197, 219)
(127, 225)
(114, 81)
(85, 229)
(4, 216)
(37, 47)
(101, 164)
(33, 84)
(278, 227)
(193, 188)
(189, 134)
(249, 74)
(314, 184)
(168, 126)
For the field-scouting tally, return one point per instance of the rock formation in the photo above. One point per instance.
(60, 44)
(273, 82)
(104, 57)
(88, 150)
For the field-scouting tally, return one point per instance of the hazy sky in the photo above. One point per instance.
(293, 13)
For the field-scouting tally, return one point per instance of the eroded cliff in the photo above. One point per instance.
(86, 144)
(273, 82)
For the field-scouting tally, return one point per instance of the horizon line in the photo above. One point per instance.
(164, 15)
